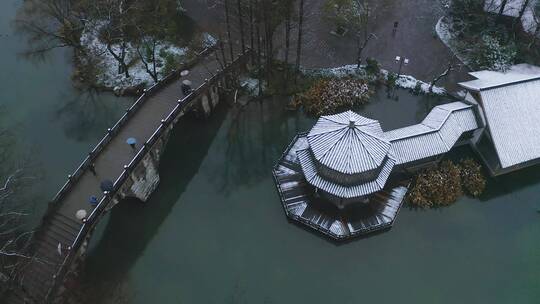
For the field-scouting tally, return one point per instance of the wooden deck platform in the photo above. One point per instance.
(301, 205)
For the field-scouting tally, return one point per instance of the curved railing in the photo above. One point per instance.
(111, 132)
(93, 218)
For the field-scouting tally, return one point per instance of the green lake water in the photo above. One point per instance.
(55, 124)
(215, 231)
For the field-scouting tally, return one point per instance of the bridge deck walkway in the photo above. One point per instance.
(62, 226)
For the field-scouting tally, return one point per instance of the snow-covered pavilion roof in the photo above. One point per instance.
(335, 188)
(356, 146)
(512, 111)
(348, 143)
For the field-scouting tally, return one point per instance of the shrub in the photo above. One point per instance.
(492, 55)
(474, 182)
(417, 90)
(172, 62)
(443, 185)
(437, 187)
(327, 96)
(372, 66)
(391, 80)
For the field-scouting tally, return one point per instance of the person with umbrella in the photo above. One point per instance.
(186, 87)
(132, 142)
(93, 200)
(107, 185)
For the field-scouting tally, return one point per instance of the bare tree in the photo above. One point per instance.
(299, 40)
(147, 55)
(354, 15)
(147, 36)
(14, 235)
(251, 32)
(241, 24)
(228, 24)
(288, 27)
(536, 15)
(115, 14)
(51, 24)
(502, 7)
(523, 9)
(361, 25)
(445, 73)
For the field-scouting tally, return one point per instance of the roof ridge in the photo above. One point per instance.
(364, 146)
(333, 145)
(432, 130)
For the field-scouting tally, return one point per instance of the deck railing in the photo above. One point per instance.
(94, 216)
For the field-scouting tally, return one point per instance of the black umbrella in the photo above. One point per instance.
(107, 185)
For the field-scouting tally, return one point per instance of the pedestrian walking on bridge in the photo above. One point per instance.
(186, 87)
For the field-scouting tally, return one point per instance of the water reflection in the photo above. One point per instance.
(136, 224)
(86, 113)
(225, 232)
(254, 134)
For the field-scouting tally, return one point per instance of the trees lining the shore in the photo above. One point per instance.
(129, 30)
(256, 23)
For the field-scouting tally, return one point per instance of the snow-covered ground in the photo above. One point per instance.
(404, 81)
(107, 65)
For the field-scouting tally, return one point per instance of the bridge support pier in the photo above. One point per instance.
(210, 99)
(144, 183)
(144, 178)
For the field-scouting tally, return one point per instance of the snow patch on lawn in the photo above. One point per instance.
(107, 65)
(409, 82)
(351, 70)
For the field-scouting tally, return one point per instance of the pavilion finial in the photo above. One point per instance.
(352, 122)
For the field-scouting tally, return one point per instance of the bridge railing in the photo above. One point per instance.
(94, 216)
(111, 132)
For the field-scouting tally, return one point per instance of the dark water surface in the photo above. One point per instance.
(215, 232)
(56, 124)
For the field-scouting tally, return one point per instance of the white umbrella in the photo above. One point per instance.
(186, 82)
(81, 214)
(184, 73)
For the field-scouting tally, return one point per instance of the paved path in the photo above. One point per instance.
(415, 38)
(62, 227)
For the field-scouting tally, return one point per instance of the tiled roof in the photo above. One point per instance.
(348, 143)
(364, 155)
(353, 191)
(512, 112)
(437, 133)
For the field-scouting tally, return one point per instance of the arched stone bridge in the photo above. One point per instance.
(61, 240)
